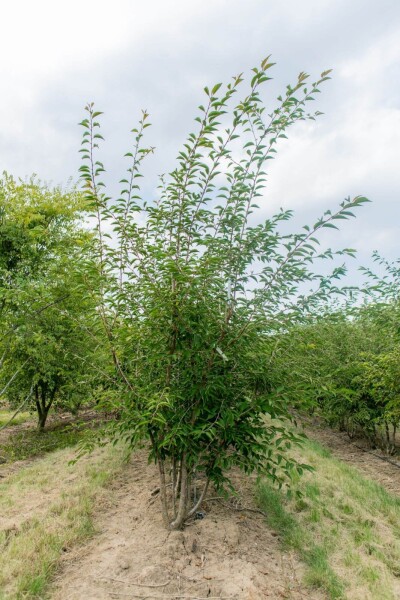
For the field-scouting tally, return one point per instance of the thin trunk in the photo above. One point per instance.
(42, 420)
(181, 516)
(41, 406)
(163, 492)
(43, 409)
(174, 487)
(178, 479)
(21, 406)
(200, 500)
(387, 437)
(3, 357)
(38, 407)
(9, 382)
(163, 487)
(188, 494)
(374, 433)
(172, 343)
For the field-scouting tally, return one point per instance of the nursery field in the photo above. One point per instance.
(94, 529)
(160, 349)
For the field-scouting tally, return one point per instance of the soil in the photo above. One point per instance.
(372, 463)
(230, 553)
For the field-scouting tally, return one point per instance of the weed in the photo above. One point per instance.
(343, 524)
(31, 546)
(31, 443)
(5, 416)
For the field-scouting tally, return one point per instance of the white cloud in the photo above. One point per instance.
(126, 55)
(338, 158)
(371, 66)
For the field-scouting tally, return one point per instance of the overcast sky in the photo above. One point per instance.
(159, 54)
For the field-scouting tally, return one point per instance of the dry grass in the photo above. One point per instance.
(44, 510)
(345, 526)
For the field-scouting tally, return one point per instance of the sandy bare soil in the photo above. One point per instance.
(381, 471)
(228, 554)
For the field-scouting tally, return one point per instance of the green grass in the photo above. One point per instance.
(31, 442)
(345, 527)
(294, 536)
(5, 416)
(45, 509)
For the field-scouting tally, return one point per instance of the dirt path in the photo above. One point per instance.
(381, 471)
(228, 554)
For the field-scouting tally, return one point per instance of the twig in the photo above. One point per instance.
(18, 409)
(36, 312)
(175, 596)
(157, 489)
(148, 585)
(243, 508)
(9, 382)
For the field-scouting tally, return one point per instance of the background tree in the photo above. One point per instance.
(343, 366)
(45, 342)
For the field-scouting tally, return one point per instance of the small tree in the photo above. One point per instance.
(36, 221)
(344, 365)
(38, 224)
(193, 286)
(317, 364)
(45, 340)
(55, 355)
